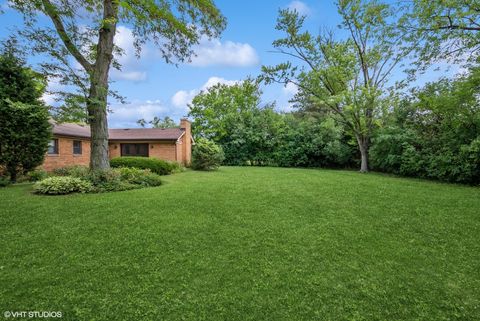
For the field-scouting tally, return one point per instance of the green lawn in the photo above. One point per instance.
(246, 244)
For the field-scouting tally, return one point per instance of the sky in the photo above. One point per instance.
(154, 88)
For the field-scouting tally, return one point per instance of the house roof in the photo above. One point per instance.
(77, 130)
(145, 134)
(70, 129)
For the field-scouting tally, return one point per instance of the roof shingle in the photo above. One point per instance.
(76, 130)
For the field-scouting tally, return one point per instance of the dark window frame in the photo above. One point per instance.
(134, 149)
(54, 146)
(77, 150)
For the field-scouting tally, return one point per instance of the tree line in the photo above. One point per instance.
(352, 108)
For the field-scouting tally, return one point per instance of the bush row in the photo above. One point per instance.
(157, 166)
(79, 179)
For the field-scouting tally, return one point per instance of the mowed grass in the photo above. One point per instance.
(246, 244)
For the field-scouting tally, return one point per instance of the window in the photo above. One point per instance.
(77, 147)
(134, 150)
(53, 147)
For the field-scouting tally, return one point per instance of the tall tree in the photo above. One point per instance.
(85, 30)
(235, 118)
(349, 77)
(442, 29)
(24, 127)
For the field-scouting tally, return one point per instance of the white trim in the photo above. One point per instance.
(178, 139)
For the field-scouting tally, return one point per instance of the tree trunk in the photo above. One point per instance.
(97, 100)
(97, 112)
(363, 145)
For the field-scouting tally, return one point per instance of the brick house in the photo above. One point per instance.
(71, 144)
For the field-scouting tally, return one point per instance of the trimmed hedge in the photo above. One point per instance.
(156, 165)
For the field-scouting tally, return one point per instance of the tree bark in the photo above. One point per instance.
(363, 145)
(97, 100)
(97, 113)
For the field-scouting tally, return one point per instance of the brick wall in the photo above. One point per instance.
(65, 156)
(161, 150)
(186, 141)
(113, 150)
(165, 151)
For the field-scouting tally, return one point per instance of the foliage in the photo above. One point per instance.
(157, 122)
(137, 176)
(206, 155)
(4, 181)
(312, 142)
(37, 175)
(75, 171)
(348, 77)
(105, 180)
(442, 30)
(59, 185)
(434, 134)
(156, 165)
(233, 117)
(110, 180)
(24, 127)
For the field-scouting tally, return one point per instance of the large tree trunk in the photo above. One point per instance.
(97, 100)
(98, 72)
(97, 112)
(363, 145)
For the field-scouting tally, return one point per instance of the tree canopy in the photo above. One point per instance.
(24, 127)
(442, 30)
(84, 31)
(348, 77)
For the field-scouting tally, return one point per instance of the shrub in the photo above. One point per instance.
(157, 166)
(108, 180)
(206, 155)
(4, 181)
(24, 127)
(75, 171)
(37, 175)
(62, 185)
(390, 148)
(139, 177)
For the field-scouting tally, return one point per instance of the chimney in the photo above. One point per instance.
(187, 141)
(185, 124)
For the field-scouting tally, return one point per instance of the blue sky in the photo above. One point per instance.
(153, 88)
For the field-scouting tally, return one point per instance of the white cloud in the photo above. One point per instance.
(229, 53)
(53, 85)
(129, 75)
(48, 99)
(301, 7)
(183, 97)
(290, 89)
(287, 93)
(212, 81)
(133, 68)
(126, 115)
